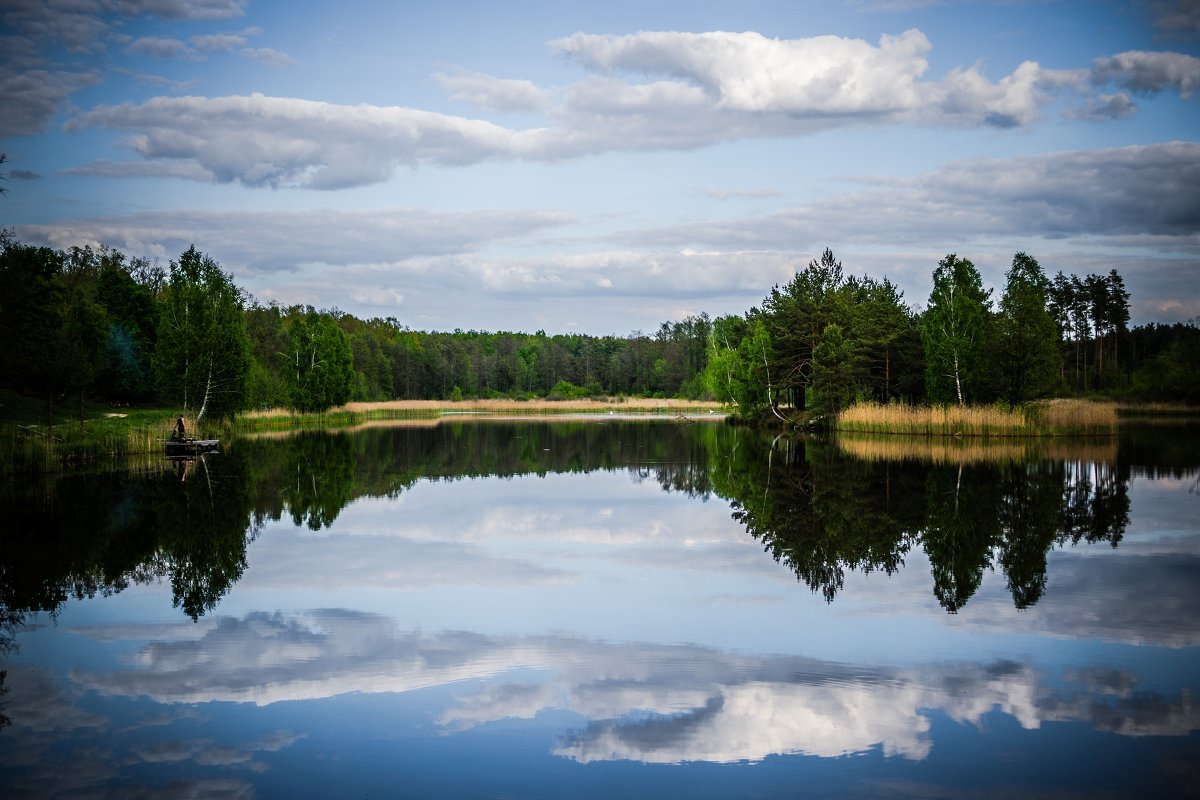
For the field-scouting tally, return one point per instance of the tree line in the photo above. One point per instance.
(826, 339)
(93, 322)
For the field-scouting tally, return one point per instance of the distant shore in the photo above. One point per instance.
(354, 413)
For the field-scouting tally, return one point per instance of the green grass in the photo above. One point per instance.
(29, 444)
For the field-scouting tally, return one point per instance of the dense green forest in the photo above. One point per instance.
(826, 340)
(93, 323)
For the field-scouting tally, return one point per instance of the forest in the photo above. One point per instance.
(94, 324)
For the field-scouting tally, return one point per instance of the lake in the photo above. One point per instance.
(607, 608)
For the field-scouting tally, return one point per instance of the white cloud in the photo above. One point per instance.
(705, 88)
(269, 56)
(497, 94)
(820, 79)
(273, 141)
(749, 72)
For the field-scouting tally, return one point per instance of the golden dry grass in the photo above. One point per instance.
(1046, 418)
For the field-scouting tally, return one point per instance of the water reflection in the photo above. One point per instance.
(644, 702)
(96, 534)
(547, 619)
(821, 508)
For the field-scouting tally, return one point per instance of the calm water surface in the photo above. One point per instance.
(608, 609)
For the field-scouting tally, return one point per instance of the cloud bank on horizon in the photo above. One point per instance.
(604, 170)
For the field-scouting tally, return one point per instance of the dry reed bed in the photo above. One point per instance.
(1045, 418)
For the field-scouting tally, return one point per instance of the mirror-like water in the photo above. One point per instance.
(607, 608)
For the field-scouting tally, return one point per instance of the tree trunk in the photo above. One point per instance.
(207, 392)
(957, 379)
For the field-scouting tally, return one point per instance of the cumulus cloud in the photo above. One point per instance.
(1149, 73)
(749, 72)
(497, 94)
(702, 89)
(818, 79)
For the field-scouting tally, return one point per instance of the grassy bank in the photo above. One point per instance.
(1045, 418)
(28, 446)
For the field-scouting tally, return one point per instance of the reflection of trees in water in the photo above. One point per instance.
(813, 508)
(85, 535)
(821, 513)
(96, 534)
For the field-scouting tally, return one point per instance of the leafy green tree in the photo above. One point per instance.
(33, 306)
(739, 366)
(320, 364)
(1027, 356)
(954, 332)
(725, 368)
(202, 356)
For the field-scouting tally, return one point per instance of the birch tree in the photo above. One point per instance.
(954, 332)
(202, 357)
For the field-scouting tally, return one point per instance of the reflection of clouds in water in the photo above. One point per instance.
(1093, 591)
(1111, 598)
(527, 531)
(652, 703)
(207, 753)
(44, 714)
(389, 562)
(606, 509)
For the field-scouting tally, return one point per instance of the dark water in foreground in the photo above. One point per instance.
(607, 609)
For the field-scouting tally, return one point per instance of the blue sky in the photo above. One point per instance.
(605, 167)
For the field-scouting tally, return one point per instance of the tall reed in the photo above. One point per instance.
(1046, 418)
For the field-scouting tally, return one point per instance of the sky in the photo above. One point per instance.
(604, 167)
